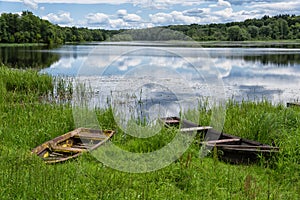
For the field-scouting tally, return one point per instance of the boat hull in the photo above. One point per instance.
(230, 148)
(72, 144)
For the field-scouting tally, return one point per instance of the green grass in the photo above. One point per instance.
(26, 121)
(21, 84)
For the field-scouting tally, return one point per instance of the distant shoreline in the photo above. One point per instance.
(224, 44)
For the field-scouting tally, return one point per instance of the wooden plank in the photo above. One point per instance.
(243, 140)
(67, 149)
(81, 146)
(221, 141)
(199, 128)
(251, 150)
(91, 136)
(171, 121)
(56, 154)
(244, 146)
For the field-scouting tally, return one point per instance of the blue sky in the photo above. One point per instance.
(116, 14)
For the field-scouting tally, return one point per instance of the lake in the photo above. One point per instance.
(162, 72)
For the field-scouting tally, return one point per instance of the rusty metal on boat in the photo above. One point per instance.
(72, 144)
(233, 149)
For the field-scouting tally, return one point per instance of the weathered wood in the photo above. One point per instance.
(67, 149)
(72, 144)
(213, 142)
(56, 154)
(250, 150)
(199, 128)
(243, 146)
(172, 121)
(91, 136)
(235, 149)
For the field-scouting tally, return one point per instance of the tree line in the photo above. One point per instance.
(280, 27)
(29, 28)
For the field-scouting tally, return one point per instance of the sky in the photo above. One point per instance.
(126, 14)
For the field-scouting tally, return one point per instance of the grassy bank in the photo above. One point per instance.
(27, 121)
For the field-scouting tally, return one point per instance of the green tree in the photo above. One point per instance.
(283, 28)
(235, 33)
(253, 31)
(265, 32)
(3, 30)
(295, 31)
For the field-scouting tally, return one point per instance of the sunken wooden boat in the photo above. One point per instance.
(72, 144)
(230, 148)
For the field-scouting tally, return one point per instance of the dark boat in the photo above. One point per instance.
(72, 144)
(233, 149)
(291, 104)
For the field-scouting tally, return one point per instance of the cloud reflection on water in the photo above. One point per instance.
(238, 67)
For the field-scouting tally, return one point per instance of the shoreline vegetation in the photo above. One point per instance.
(28, 28)
(27, 120)
(191, 44)
(21, 44)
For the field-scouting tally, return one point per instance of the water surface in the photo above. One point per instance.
(246, 72)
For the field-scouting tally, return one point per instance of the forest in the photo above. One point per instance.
(280, 27)
(29, 28)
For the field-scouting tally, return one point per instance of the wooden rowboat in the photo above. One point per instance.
(240, 150)
(291, 104)
(233, 149)
(72, 144)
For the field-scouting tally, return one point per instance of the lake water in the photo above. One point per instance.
(166, 73)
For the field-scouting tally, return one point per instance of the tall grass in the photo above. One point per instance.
(23, 84)
(28, 122)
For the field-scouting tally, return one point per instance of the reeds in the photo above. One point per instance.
(16, 84)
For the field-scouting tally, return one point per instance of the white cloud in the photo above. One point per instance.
(121, 13)
(60, 18)
(117, 24)
(203, 15)
(179, 17)
(224, 3)
(174, 17)
(31, 4)
(64, 63)
(124, 20)
(120, 20)
(278, 6)
(132, 18)
(128, 62)
(196, 11)
(142, 3)
(161, 18)
(225, 14)
(193, 3)
(97, 18)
